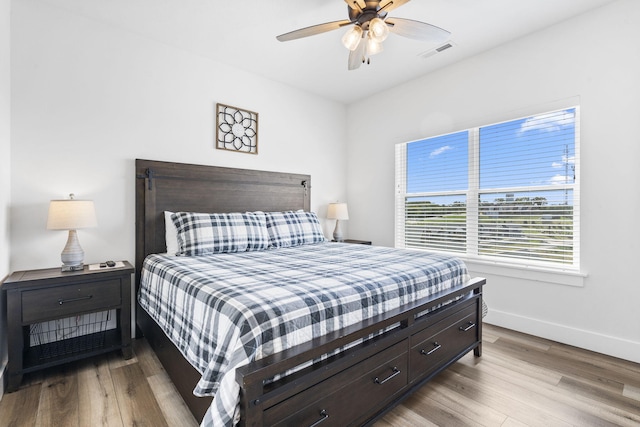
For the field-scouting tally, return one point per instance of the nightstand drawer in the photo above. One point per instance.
(69, 300)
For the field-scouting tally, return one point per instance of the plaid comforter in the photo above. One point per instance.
(223, 311)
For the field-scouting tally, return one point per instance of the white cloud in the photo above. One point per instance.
(440, 150)
(549, 122)
(561, 179)
(571, 160)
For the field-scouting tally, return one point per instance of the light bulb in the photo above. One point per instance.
(378, 30)
(351, 38)
(373, 47)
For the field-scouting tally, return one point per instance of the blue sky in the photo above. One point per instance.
(506, 152)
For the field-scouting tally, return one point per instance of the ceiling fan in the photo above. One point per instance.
(370, 28)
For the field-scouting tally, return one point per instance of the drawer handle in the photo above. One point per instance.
(324, 416)
(470, 325)
(396, 372)
(436, 347)
(62, 301)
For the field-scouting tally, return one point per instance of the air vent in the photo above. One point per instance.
(429, 53)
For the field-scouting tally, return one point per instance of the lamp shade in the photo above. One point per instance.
(378, 30)
(351, 38)
(337, 211)
(71, 214)
(373, 47)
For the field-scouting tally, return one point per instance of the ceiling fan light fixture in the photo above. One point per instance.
(369, 26)
(378, 30)
(373, 46)
(351, 38)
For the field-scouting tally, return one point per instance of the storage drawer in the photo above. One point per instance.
(60, 301)
(340, 399)
(436, 344)
(464, 311)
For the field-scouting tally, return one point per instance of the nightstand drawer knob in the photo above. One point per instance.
(62, 301)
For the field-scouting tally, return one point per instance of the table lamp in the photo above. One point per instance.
(337, 211)
(71, 214)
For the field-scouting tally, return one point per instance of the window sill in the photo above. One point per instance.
(538, 274)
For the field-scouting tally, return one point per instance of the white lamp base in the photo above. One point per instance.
(337, 232)
(72, 255)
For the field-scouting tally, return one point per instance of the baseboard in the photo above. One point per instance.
(593, 341)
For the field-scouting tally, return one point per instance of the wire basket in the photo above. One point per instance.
(68, 336)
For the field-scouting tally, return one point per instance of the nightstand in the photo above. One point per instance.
(80, 304)
(357, 242)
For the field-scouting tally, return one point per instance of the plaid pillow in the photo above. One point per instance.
(293, 228)
(203, 233)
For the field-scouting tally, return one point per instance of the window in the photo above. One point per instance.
(506, 192)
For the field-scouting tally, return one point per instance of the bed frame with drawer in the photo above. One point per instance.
(355, 387)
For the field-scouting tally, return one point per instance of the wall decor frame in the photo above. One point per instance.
(236, 129)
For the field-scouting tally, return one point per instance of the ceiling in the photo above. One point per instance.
(242, 33)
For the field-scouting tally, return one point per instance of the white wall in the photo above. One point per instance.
(5, 168)
(89, 98)
(593, 58)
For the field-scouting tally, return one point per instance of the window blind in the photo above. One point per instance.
(504, 192)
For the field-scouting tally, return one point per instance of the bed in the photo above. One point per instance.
(350, 373)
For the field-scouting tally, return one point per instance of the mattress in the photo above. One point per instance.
(225, 310)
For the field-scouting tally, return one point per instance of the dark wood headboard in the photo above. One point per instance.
(168, 186)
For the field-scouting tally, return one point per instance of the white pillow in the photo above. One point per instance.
(170, 234)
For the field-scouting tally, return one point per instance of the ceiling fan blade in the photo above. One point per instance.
(356, 56)
(358, 5)
(313, 30)
(417, 30)
(388, 5)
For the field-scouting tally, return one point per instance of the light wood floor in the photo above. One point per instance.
(520, 380)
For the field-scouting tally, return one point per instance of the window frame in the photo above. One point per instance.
(473, 193)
